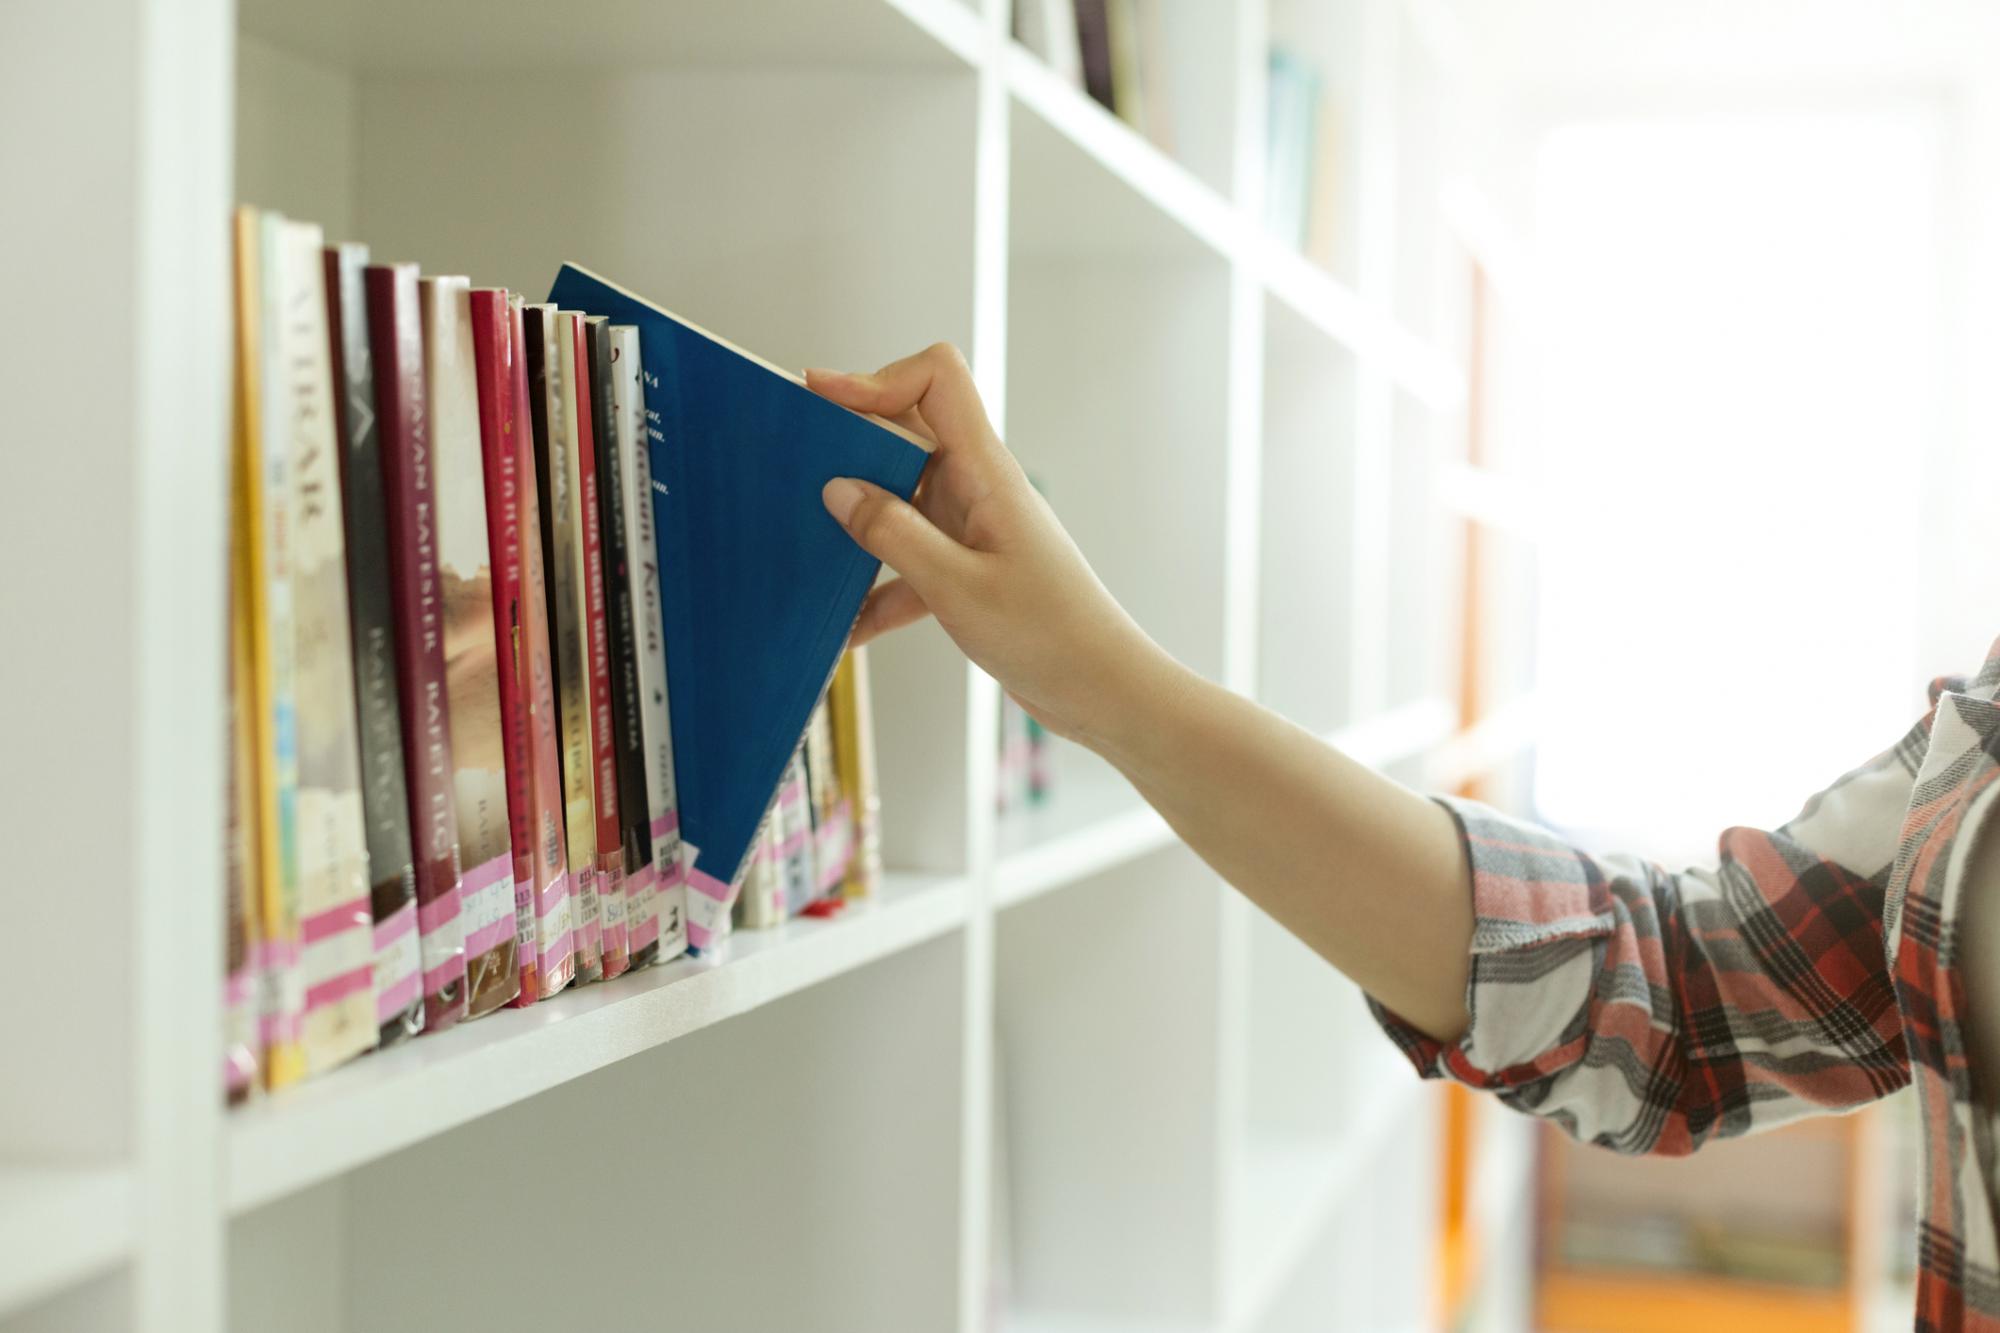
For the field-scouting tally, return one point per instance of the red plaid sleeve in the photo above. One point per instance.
(1644, 1010)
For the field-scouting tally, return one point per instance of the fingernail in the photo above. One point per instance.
(815, 373)
(840, 496)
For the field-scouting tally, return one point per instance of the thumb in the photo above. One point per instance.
(895, 533)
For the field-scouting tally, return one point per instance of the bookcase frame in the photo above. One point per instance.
(129, 1199)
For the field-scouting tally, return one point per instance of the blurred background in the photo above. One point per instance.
(1732, 333)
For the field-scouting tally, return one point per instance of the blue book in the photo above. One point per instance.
(759, 586)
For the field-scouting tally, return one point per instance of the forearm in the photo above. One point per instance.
(1369, 874)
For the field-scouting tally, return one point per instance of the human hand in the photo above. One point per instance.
(983, 552)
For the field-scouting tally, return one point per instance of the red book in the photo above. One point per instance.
(535, 663)
(493, 370)
(396, 343)
(603, 731)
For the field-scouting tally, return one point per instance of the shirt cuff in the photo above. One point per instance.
(1541, 914)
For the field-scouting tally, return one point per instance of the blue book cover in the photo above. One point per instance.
(759, 586)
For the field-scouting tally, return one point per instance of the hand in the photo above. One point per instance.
(981, 550)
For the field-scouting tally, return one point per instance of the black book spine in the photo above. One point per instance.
(635, 814)
(371, 620)
(1093, 40)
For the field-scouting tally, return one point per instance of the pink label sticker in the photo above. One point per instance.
(449, 972)
(394, 1000)
(335, 989)
(350, 915)
(395, 926)
(670, 822)
(439, 912)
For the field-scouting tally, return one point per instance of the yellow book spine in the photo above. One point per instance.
(854, 761)
(284, 1060)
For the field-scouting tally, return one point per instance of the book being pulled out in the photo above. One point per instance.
(764, 585)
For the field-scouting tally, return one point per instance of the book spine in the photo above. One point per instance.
(465, 578)
(240, 1066)
(278, 1057)
(795, 837)
(603, 755)
(499, 452)
(399, 999)
(1093, 41)
(760, 904)
(336, 923)
(642, 920)
(556, 465)
(283, 1002)
(854, 754)
(395, 339)
(832, 825)
(649, 641)
(554, 916)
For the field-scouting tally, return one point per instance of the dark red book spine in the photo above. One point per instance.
(409, 485)
(499, 451)
(603, 726)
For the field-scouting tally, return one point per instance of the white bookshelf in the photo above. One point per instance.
(1196, 1129)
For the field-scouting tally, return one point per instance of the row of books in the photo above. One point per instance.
(1115, 50)
(452, 774)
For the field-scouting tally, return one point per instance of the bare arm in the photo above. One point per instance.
(1369, 874)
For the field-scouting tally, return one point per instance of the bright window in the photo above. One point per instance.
(1739, 340)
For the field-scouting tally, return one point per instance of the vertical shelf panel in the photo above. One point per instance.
(1107, 1052)
(1306, 611)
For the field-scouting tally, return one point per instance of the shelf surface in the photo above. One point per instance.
(390, 1100)
(59, 1225)
(430, 36)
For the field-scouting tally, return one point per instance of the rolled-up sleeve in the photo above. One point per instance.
(1646, 1011)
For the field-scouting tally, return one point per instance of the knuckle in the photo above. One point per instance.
(946, 356)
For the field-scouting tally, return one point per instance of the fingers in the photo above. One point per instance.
(897, 535)
(889, 607)
(935, 383)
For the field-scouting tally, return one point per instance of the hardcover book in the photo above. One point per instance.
(409, 489)
(336, 924)
(263, 478)
(642, 921)
(399, 995)
(760, 586)
(574, 331)
(554, 917)
(552, 376)
(472, 689)
(662, 801)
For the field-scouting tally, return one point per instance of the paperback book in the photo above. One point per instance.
(552, 416)
(649, 646)
(336, 924)
(399, 999)
(472, 680)
(409, 487)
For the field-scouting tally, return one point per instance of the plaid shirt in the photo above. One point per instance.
(1812, 970)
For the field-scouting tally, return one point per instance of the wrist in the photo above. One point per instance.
(1142, 691)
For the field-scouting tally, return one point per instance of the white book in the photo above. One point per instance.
(336, 924)
(636, 434)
